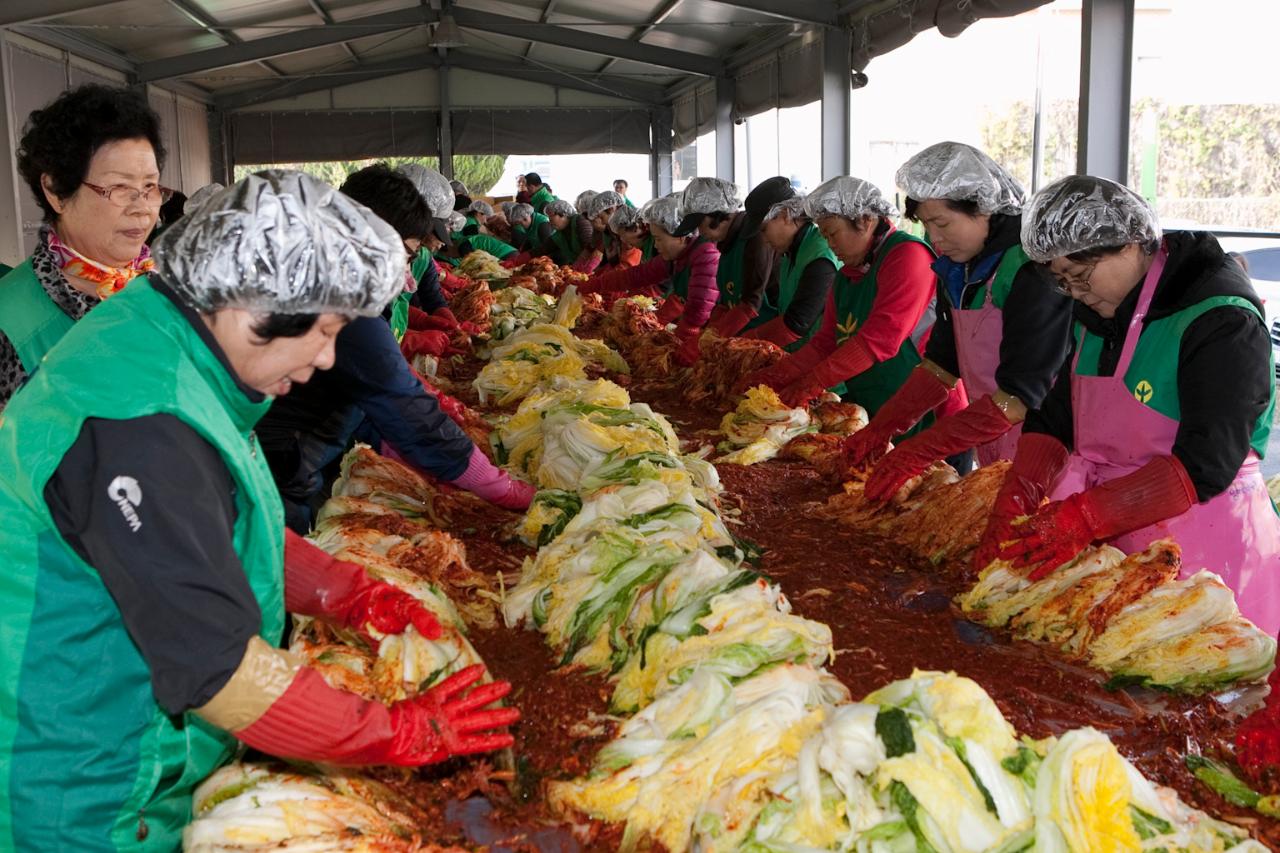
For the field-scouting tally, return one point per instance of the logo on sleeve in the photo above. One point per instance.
(127, 495)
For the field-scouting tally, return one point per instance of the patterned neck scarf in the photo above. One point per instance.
(108, 279)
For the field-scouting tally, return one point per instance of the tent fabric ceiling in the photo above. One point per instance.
(653, 52)
(566, 131)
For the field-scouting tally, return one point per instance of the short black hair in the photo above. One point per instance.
(274, 326)
(1087, 256)
(715, 220)
(968, 208)
(622, 181)
(533, 178)
(172, 210)
(391, 196)
(61, 138)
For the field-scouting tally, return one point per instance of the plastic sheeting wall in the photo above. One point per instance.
(563, 131)
(304, 135)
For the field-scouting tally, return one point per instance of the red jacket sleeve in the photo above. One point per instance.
(703, 260)
(905, 287)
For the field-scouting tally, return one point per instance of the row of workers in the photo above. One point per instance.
(1140, 410)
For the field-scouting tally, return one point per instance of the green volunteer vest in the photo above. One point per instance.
(88, 760)
(730, 272)
(812, 247)
(492, 245)
(1152, 377)
(28, 317)
(542, 198)
(400, 315)
(530, 235)
(853, 302)
(568, 241)
(1014, 259)
(647, 250)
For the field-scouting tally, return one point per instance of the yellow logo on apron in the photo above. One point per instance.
(845, 330)
(1143, 392)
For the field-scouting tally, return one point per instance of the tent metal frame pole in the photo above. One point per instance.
(446, 125)
(1106, 81)
(660, 155)
(837, 100)
(724, 128)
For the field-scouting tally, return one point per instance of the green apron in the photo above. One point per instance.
(647, 250)
(1014, 259)
(529, 235)
(680, 281)
(88, 760)
(1152, 376)
(627, 202)
(730, 272)
(812, 247)
(492, 245)
(542, 198)
(570, 246)
(853, 302)
(28, 317)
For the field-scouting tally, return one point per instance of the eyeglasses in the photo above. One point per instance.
(1071, 283)
(124, 195)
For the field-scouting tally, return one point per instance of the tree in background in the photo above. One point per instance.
(478, 171)
(1203, 164)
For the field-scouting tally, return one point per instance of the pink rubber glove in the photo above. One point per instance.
(484, 480)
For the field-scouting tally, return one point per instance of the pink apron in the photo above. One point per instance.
(1236, 534)
(978, 333)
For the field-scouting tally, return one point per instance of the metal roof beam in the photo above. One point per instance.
(596, 84)
(586, 42)
(285, 43)
(820, 12)
(215, 28)
(29, 11)
(542, 19)
(328, 19)
(662, 14)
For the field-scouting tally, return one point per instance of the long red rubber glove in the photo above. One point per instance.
(1056, 534)
(688, 350)
(312, 721)
(429, 342)
(733, 320)
(775, 332)
(919, 395)
(338, 591)
(977, 424)
(632, 280)
(846, 362)
(671, 308)
(1036, 465)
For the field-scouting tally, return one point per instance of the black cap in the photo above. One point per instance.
(461, 203)
(689, 224)
(765, 195)
(440, 230)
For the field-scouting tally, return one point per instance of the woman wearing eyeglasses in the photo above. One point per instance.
(1156, 425)
(92, 160)
(1002, 327)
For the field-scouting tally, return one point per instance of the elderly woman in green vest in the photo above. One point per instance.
(630, 228)
(747, 262)
(92, 161)
(1003, 326)
(791, 311)
(878, 313)
(572, 244)
(530, 230)
(147, 569)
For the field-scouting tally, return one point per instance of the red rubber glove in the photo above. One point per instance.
(485, 480)
(429, 342)
(633, 280)
(1036, 465)
(445, 314)
(733, 320)
(671, 308)
(312, 721)
(846, 362)
(919, 395)
(775, 331)
(1258, 739)
(979, 423)
(689, 350)
(1056, 534)
(341, 592)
